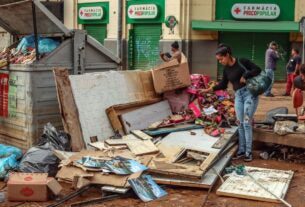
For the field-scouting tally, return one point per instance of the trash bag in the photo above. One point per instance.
(25, 43)
(47, 45)
(9, 157)
(41, 158)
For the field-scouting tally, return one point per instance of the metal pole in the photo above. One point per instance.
(120, 25)
(35, 30)
(303, 53)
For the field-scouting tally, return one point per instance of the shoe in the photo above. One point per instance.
(248, 157)
(269, 95)
(286, 94)
(238, 156)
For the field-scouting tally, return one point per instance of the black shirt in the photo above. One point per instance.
(242, 67)
(292, 63)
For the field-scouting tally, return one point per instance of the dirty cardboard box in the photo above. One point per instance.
(31, 186)
(170, 76)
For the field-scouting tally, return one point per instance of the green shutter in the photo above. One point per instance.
(240, 44)
(254, 45)
(144, 40)
(260, 44)
(98, 31)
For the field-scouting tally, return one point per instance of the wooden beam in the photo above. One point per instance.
(293, 140)
(68, 109)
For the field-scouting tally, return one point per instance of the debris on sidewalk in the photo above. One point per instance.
(41, 158)
(255, 183)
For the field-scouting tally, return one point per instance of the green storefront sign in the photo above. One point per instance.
(275, 10)
(93, 13)
(141, 11)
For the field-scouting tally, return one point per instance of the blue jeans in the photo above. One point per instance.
(270, 74)
(245, 107)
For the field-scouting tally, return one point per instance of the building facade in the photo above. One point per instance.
(138, 30)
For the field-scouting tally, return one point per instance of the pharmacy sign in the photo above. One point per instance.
(142, 11)
(91, 13)
(255, 11)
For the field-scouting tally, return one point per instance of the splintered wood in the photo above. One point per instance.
(276, 181)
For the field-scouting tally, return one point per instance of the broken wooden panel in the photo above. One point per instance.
(141, 135)
(172, 145)
(143, 117)
(95, 92)
(114, 112)
(276, 181)
(207, 181)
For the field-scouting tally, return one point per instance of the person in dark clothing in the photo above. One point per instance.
(237, 71)
(271, 57)
(299, 81)
(293, 69)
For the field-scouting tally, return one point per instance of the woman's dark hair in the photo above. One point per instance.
(223, 50)
(302, 69)
(296, 50)
(175, 45)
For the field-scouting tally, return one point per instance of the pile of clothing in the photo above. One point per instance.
(213, 110)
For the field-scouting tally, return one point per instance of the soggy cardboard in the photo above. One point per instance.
(170, 76)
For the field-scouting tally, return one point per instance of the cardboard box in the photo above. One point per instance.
(27, 187)
(31, 187)
(170, 76)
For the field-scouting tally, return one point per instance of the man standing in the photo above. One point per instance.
(176, 54)
(271, 57)
(293, 69)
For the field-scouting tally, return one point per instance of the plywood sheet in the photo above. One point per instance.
(142, 147)
(95, 92)
(143, 117)
(276, 181)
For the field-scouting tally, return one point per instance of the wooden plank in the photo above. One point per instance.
(293, 140)
(142, 147)
(276, 181)
(141, 135)
(206, 163)
(68, 108)
(142, 118)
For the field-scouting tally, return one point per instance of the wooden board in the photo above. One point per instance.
(222, 141)
(68, 109)
(142, 147)
(276, 181)
(293, 140)
(142, 118)
(141, 135)
(207, 180)
(95, 92)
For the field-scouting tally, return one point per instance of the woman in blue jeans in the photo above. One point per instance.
(237, 71)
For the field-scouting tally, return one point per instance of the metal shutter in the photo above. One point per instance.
(98, 31)
(145, 46)
(241, 44)
(260, 44)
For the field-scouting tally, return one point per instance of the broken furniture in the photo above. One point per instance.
(248, 186)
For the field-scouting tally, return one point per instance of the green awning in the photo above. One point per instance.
(246, 26)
